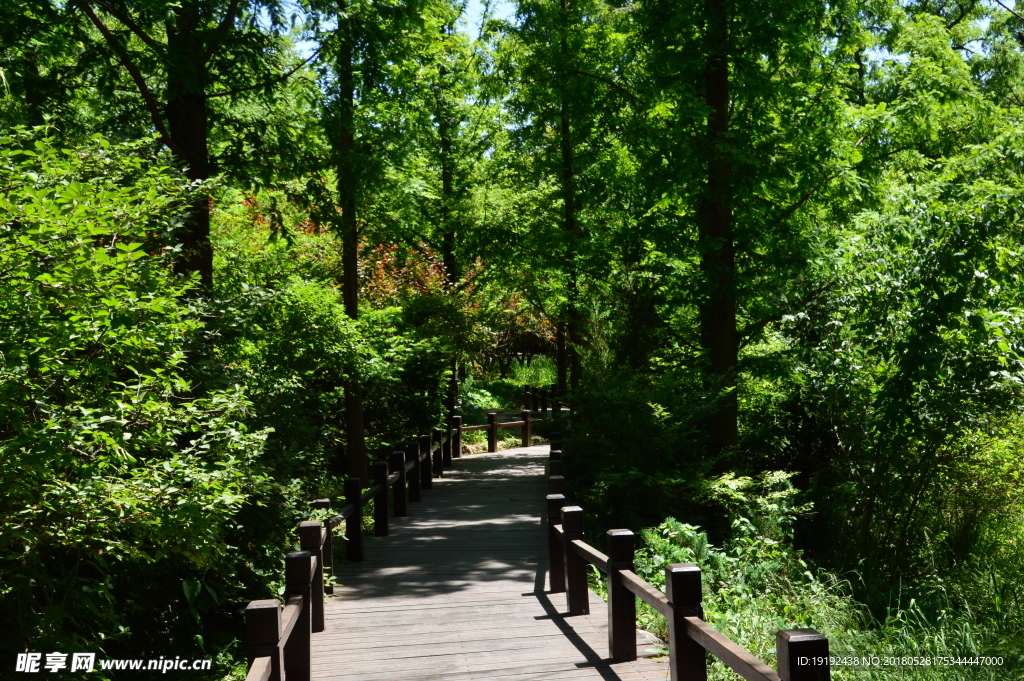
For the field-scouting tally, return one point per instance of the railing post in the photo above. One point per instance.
(556, 484)
(621, 601)
(398, 464)
(683, 588)
(309, 541)
(806, 646)
(380, 500)
(426, 479)
(535, 406)
(527, 401)
(527, 427)
(415, 476)
(446, 448)
(438, 455)
(555, 467)
(556, 560)
(577, 596)
(263, 634)
(543, 403)
(492, 431)
(328, 549)
(456, 437)
(297, 568)
(556, 409)
(354, 524)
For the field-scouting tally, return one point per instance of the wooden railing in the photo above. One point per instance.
(802, 653)
(278, 639)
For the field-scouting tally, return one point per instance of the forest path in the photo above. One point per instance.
(458, 591)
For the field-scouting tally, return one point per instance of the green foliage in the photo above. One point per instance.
(112, 466)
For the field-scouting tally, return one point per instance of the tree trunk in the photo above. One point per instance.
(718, 333)
(188, 126)
(571, 229)
(448, 229)
(561, 357)
(348, 178)
(569, 220)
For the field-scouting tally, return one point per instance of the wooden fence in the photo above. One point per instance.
(802, 653)
(278, 638)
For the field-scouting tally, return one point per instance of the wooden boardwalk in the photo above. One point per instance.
(458, 592)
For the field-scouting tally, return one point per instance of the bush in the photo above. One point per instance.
(114, 467)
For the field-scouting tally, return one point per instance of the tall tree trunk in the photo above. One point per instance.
(561, 357)
(445, 125)
(569, 220)
(35, 99)
(348, 178)
(718, 332)
(188, 127)
(570, 226)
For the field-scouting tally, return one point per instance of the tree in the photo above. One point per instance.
(179, 57)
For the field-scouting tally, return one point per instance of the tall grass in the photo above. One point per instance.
(757, 584)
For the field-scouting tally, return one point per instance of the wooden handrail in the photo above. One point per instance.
(731, 654)
(278, 640)
(802, 653)
(645, 592)
(289, 616)
(260, 670)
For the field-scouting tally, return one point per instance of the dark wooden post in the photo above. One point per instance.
(298, 565)
(556, 484)
(328, 549)
(446, 448)
(263, 634)
(621, 601)
(802, 655)
(415, 477)
(686, 658)
(555, 468)
(426, 479)
(556, 409)
(309, 541)
(380, 500)
(535, 405)
(556, 561)
(438, 454)
(543, 403)
(492, 431)
(527, 401)
(555, 440)
(398, 464)
(456, 437)
(527, 427)
(577, 596)
(354, 523)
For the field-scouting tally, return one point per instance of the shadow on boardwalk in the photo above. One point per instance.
(457, 592)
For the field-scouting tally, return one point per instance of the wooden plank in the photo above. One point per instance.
(260, 670)
(459, 585)
(590, 554)
(732, 655)
(289, 616)
(647, 593)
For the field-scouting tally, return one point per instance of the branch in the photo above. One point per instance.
(750, 331)
(265, 83)
(133, 27)
(156, 116)
(608, 81)
(222, 28)
(1009, 10)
